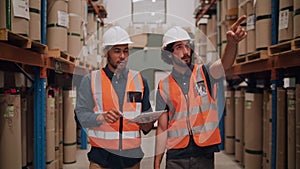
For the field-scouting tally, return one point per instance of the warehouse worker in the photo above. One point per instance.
(107, 99)
(189, 130)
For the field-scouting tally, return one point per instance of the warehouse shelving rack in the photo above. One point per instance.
(34, 58)
(39, 64)
(271, 69)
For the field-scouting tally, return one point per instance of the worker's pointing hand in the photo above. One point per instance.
(237, 32)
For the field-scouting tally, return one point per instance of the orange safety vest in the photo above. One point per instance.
(105, 98)
(194, 114)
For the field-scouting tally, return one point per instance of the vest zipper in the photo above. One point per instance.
(188, 115)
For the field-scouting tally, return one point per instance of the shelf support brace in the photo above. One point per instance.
(25, 73)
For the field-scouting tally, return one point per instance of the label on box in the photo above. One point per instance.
(21, 8)
(237, 94)
(250, 22)
(63, 19)
(74, 101)
(283, 19)
(248, 104)
(236, 101)
(51, 103)
(9, 111)
(249, 97)
(227, 93)
(72, 93)
(291, 104)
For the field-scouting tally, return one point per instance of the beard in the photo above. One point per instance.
(120, 65)
(181, 61)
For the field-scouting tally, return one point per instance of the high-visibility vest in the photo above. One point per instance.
(107, 135)
(194, 114)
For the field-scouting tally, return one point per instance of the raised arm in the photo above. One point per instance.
(234, 36)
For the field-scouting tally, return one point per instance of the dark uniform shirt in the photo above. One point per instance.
(192, 150)
(115, 159)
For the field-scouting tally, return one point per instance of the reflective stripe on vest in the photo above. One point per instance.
(198, 129)
(113, 135)
(198, 110)
(105, 98)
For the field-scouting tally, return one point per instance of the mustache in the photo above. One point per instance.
(121, 61)
(185, 56)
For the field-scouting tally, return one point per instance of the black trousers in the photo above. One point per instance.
(205, 161)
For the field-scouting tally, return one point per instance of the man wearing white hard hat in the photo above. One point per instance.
(107, 99)
(189, 129)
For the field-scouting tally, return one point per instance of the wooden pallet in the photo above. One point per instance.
(62, 56)
(80, 63)
(253, 57)
(90, 67)
(296, 44)
(240, 60)
(280, 48)
(39, 47)
(22, 41)
(14, 39)
(83, 64)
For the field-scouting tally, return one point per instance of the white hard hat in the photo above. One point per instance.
(174, 34)
(116, 36)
